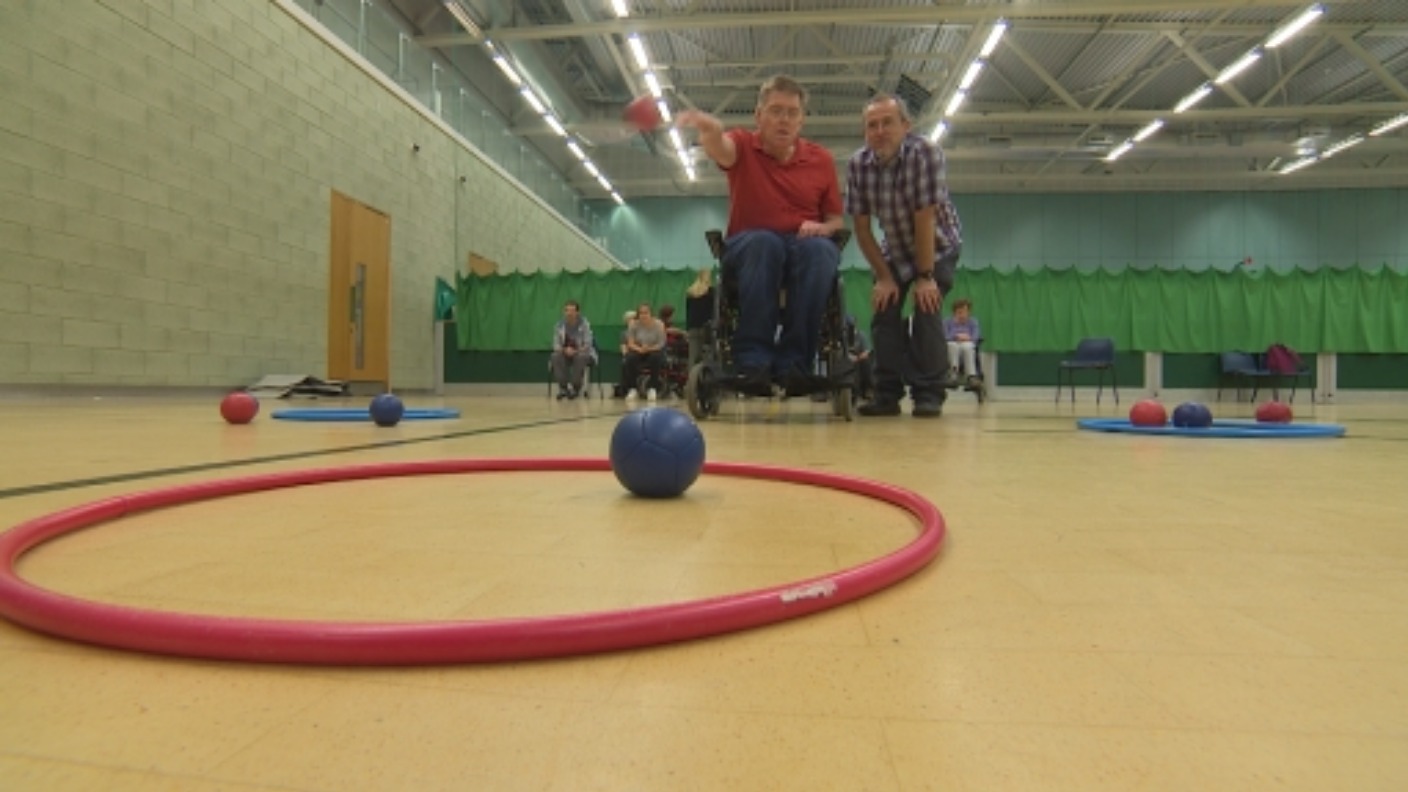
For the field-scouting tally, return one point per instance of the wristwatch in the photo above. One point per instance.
(924, 275)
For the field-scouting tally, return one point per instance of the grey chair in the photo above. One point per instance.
(1242, 368)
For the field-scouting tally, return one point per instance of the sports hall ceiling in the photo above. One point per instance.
(1065, 85)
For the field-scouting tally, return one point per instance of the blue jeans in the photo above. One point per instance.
(765, 262)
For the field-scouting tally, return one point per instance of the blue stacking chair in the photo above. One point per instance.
(1092, 354)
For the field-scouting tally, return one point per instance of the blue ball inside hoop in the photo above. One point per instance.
(657, 452)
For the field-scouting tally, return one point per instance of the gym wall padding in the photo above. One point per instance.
(1189, 230)
(1352, 310)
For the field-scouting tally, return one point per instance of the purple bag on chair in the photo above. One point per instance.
(1281, 359)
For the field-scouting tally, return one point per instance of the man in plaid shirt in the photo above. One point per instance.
(898, 179)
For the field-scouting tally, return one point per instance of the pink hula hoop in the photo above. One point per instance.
(423, 643)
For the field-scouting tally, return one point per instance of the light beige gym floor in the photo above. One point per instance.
(1109, 612)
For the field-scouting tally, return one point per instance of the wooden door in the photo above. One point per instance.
(359, 295)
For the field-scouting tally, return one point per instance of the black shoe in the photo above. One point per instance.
(879, 407)
(754, 382)
(927, 409)
(561, 394)
(573, 392)
(797, 383)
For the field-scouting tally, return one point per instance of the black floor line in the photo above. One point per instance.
(117, 478)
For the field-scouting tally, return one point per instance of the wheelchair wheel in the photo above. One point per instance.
(843, 396)
(701, 392)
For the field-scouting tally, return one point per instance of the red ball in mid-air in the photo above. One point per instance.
(239, 408)
(643, 114)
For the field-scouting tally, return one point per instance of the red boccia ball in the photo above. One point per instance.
(1148, 413)
(1274, 412)
(642, 114)
(239, 408)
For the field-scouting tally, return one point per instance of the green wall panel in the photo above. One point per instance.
(1372, 372)
(1039, 368)
(1190, 370)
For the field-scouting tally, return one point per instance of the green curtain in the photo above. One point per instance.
(1350, 310)
(517, 312)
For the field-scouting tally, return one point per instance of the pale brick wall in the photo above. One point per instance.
(165, 177)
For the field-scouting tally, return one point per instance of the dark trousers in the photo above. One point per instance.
(635, 362)
(918, 353)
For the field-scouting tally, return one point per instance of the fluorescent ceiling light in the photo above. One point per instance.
(676, 139)
(556, 125)
(1389, 125)
(664, 108)
(971, 76)
(508, 71)
(1238, 66)
(993, 37)
(605, 185)
(1119, 151)
(1295, 26)
(619, 6)
(534, 101)
(1297, 165)
(689, 171)
(938, 133)
(955, 103)
(1352, 140)
(654, 85)
(461, 15)
(591, 168)
(615, 196)
(1193, 98)
(576, 150)
(638, 50)
(1149, 129)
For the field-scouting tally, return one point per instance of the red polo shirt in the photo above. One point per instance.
(779, 196)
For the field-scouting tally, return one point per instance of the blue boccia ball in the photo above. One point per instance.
(657, 452)
(386, 410)
(1192, 415)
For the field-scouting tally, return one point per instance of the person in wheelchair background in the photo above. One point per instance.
(963, 335)
(898, 179)
(645, 353)
(784, 206)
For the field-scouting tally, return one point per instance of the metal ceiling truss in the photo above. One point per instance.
(1041, 116)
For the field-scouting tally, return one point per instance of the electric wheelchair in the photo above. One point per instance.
(833, 373)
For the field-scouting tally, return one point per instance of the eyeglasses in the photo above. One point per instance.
(778, 112)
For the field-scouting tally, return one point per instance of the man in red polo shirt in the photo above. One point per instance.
(784, 205)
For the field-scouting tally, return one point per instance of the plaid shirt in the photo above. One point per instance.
(893, 192)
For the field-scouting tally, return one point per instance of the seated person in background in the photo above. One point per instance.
(784, 205)
(667, 318)
(645, 348)
(572, 351)
(698, 312)
(963, 335)
(627, 319)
